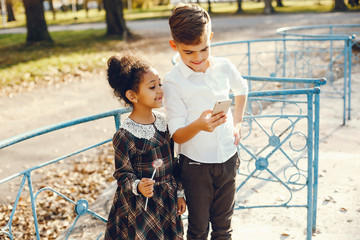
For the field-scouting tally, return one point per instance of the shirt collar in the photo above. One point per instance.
(187, 72)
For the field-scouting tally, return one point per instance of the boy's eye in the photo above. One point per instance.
(188, 52)
(160, 84)
(153, 87)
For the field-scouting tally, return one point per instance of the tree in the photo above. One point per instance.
(10, 11)
(279, 3)
(115, 20)
(239, 9)
(340, 5)
(52, 9)
(100, 4)
(268, 7)
(86, 7)
(35, 21)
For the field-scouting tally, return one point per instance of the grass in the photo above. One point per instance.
(88, 50)
(71, 52)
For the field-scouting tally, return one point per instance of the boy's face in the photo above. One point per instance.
(196, 56)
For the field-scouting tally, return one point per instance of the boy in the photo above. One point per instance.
(207, 144)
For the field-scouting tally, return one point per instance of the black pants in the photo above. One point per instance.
(210, 196)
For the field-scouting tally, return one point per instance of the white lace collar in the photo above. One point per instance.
(145, 131)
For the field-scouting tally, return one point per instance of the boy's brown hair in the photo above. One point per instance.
(188, 23)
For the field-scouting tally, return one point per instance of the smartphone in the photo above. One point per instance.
(221, 106)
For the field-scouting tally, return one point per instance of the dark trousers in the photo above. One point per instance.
(210, 196)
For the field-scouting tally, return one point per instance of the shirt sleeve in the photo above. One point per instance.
(174, 106)
(124, 173)
(238, 84)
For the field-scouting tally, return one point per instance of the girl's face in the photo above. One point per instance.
(195, 57)
(150, 92)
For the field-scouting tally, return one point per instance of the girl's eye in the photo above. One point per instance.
(153, 87)
(188, 53)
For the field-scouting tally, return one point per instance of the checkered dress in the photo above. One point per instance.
(136, 147)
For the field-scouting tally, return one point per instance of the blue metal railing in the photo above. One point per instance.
(261, 160)
(81, 206)
(267, 151)
(332, 31)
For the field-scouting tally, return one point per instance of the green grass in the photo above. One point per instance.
(71, 52)
(88, 50)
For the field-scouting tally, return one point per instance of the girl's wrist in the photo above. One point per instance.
(135, 187)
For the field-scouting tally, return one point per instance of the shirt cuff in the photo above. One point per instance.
(134, 187)
(180, 193)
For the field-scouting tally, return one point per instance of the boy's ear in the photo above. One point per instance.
(173, 45)
(131, 95)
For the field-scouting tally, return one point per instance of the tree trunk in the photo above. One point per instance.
(52, 9)
(279, 3)
(35, 21)
(268, 7)
(100, 4)
(10, 11)
(340, 5)
(209, 6)
(239, 9)
(115, 20)
(86, 7)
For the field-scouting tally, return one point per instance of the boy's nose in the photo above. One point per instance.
(197, 55)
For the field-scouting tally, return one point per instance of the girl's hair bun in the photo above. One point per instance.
(124, 73)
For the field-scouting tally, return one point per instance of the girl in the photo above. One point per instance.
(143, 138)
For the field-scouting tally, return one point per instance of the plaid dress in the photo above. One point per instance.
(136, 147)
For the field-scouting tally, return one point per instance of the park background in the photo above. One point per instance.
(48, 81)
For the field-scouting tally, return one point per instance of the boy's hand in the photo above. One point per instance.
(146, 187)
(208, 123)
(237, 134)
(181, 206)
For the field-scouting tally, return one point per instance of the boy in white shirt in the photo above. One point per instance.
(207, 144)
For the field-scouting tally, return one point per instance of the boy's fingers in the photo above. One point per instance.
(206, 112)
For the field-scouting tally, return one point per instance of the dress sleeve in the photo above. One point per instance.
(124, 172)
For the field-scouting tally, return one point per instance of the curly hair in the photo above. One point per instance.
(125, 73)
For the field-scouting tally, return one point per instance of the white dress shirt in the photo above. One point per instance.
(187, 94)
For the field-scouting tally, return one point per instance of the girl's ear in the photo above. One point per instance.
(131, 95)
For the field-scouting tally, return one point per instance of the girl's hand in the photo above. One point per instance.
(181, 206)
(237, 134)
(208, 123)
(146, 187)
